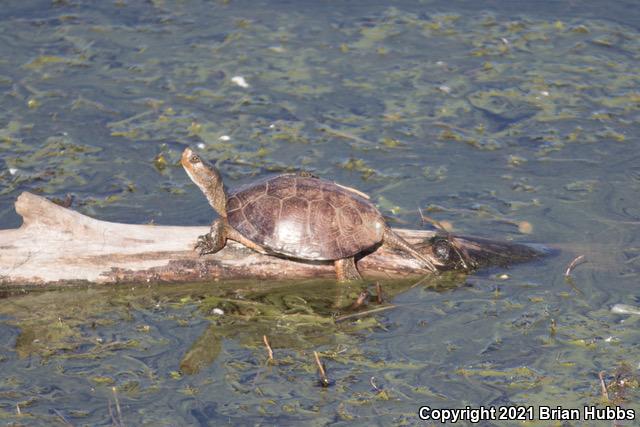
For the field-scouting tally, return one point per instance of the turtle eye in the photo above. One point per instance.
(194, 159)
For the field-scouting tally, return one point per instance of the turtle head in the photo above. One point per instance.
(207, 178)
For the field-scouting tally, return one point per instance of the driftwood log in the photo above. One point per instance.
(58, 246)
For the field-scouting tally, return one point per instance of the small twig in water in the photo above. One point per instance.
(379, 293)
(18, 409)
(573, 264)
(571, 283)
(269, 350)
(363, 313)
(324, 381)
(64, 419)
(113, 418)
(118, 411)
(427, 219)
(450, 127)
(362, 298)
(603, 386)
(419, 282)
(345, 135)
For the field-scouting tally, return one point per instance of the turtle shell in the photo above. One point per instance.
(305, 217)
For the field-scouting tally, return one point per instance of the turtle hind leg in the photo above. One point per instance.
(392, 239)
(213, 241)
(346, 270)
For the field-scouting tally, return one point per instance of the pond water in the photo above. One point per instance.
(508, 120)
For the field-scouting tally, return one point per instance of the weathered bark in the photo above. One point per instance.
(55, 245)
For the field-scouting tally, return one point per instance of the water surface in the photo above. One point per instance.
(509, 120)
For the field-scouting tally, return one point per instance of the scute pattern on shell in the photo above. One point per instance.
(304, 217)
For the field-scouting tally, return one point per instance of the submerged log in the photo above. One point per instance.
(57, 246)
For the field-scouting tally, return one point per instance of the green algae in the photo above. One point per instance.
(42, 61)
(203, 352)
(296, 317)
(489, 118)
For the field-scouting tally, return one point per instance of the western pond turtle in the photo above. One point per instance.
(297, 216)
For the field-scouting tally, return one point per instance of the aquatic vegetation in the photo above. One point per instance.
(520, 122)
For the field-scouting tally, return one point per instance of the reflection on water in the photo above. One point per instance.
(504, 120)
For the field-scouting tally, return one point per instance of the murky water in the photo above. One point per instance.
(509, 121)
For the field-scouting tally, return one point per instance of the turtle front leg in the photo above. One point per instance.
(213, 241)
(392, 239)
(346, 270)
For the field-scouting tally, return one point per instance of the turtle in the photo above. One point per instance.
(298, 216)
